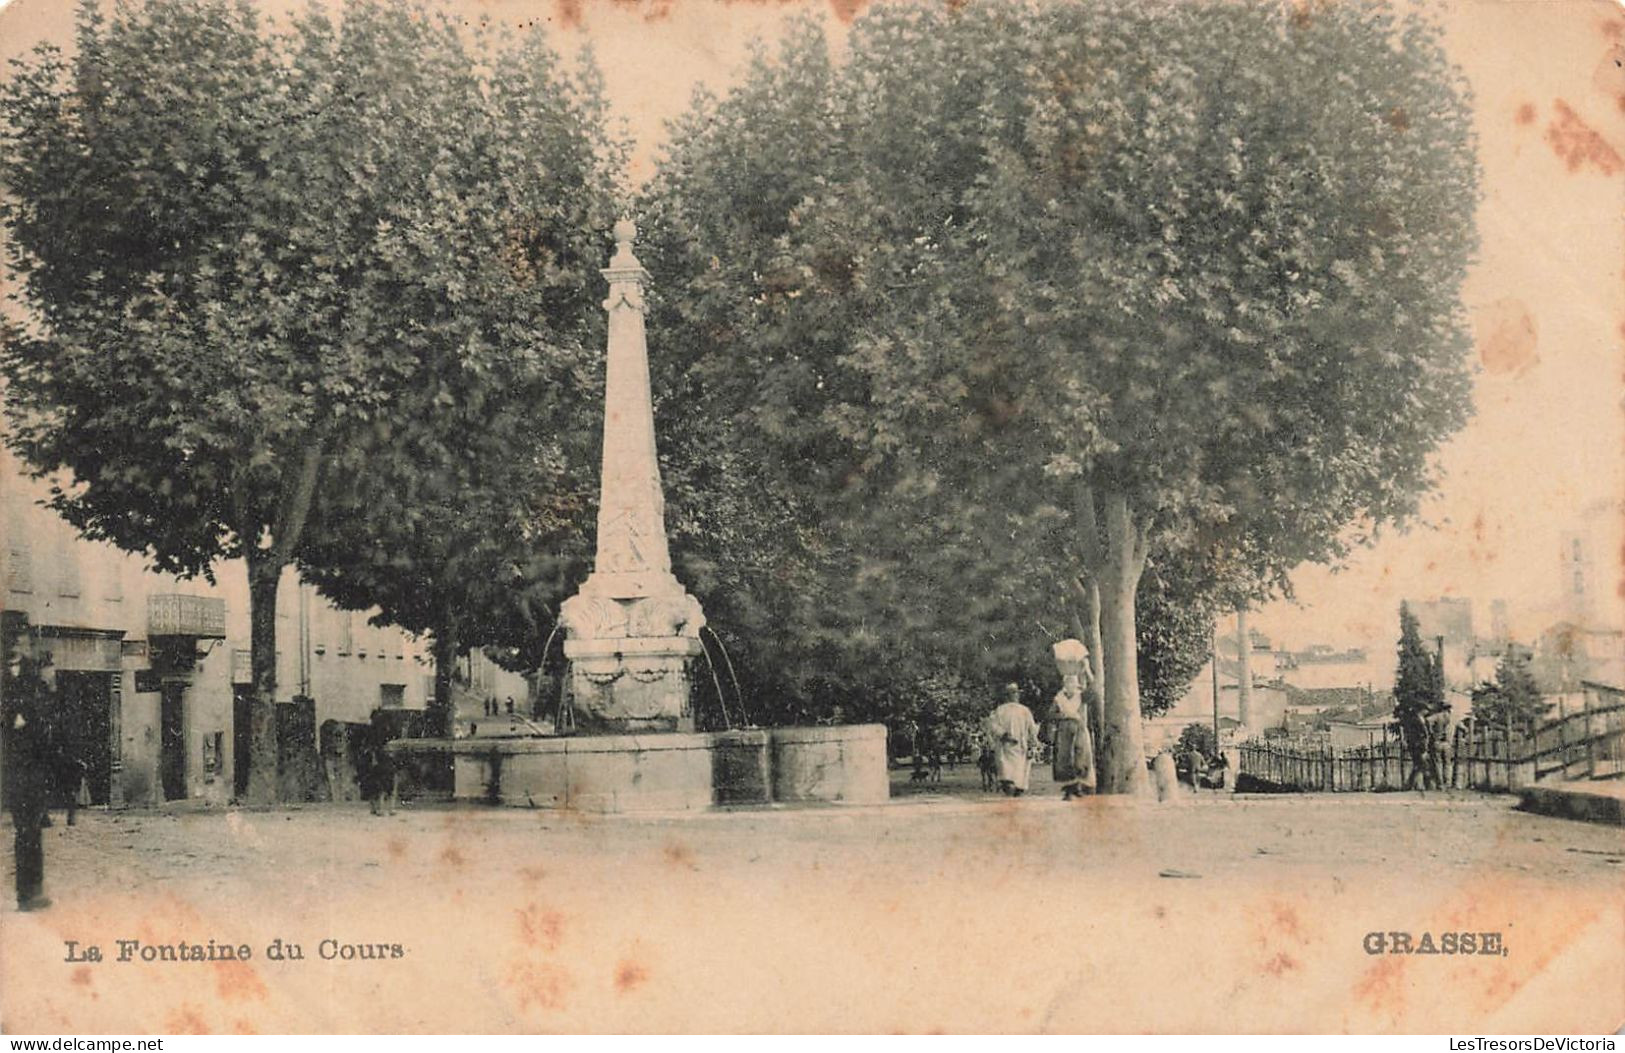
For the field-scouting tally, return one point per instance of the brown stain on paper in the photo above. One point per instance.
(678, 854)
(238, 981)
(629, 975)
(540, 985)
(540, 927)
(1506, 336)
(1579, 145)
(186, 1020)
(1282, 936)
(1381, 988)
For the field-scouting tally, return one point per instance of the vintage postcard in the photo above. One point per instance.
(836, 516)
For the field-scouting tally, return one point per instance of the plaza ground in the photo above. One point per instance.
(944, 910)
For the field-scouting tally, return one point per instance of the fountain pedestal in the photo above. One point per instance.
(632, 684)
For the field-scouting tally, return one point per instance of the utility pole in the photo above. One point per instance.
(1214, 663)
(1244, 679)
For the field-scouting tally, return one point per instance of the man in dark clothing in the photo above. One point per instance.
(1413, 731)
(1438, 732)
(66, 771)
(28, 780)
(378, 767)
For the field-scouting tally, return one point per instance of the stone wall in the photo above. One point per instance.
(668, 772)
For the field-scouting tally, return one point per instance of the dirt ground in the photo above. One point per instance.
(944, 910)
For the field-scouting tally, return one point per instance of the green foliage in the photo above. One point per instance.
(1202, 260)
(272, 273)
(464, 516)
(1174, 631)
(1198, 737)
(1513, 700)
(1416, 684)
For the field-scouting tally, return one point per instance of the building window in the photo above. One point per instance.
(67, 572)
(392, 696)
(1579, 583)
(113, 578)
(19, 569)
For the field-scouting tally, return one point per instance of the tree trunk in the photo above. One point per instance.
(445, 663)
(1097, 659)
(265, 566)
(1086, 627)
(264, 574)
(1122, 751)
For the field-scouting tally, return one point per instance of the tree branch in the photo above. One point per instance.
(294, 507)
(1141, 524)
(1088, 527)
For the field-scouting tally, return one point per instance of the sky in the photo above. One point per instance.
(1546, 298)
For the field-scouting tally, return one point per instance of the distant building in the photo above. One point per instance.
(1316, 700)
(1570, 652)
(1577, 573)
(1321, 666)
(1450, 617)
(1263, 660)
(1268, 700)
(480, 680)
(1588, 567)
(1358, 732)
(1500, 624)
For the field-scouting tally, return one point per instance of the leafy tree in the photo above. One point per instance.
(1513, 699)
(464, 518)
(1198, 737)
(1109, 282)
(1175, 620)
(476, 549)
(1417, 688)
(251, 255)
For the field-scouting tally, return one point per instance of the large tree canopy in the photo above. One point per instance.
(1062, 289)
(255, 258)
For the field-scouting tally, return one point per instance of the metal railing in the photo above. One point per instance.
(1587, 743)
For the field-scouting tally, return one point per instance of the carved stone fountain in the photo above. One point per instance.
(628, 740)
(632, 629)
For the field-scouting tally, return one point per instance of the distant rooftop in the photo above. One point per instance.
(1322, 654)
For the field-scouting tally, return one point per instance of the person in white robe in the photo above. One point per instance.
(1014, 734)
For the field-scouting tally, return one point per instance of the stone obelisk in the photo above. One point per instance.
(632, 630)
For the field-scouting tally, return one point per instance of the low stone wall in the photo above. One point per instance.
(845, 763)
(667, 772)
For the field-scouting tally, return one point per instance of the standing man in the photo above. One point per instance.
(28, 779)
(378, 768)
(1438, 730)
(1014, 735)
(1413, 731)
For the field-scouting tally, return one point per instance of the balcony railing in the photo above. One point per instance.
(177, 614)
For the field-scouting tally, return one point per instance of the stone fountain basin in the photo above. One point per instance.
(670, 771)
